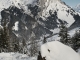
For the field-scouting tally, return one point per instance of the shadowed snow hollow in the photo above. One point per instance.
(58, 51)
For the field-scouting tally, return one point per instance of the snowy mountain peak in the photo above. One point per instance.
(77, 7)
(63, 12)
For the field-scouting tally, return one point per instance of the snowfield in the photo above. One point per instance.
(15, 56)
(58, 51)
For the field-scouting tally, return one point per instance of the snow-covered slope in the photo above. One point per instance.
(15, 56)
(58, 51)
(63, 11)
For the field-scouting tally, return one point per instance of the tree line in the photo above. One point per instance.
(7, 45)
(14, 45)
(66, 39)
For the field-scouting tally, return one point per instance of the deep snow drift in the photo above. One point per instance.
(58, 51)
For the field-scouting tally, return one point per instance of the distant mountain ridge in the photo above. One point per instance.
(77, 8)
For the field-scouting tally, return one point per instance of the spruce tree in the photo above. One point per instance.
(16, 45)
(65, 38)
(33, 47)
(76, 40)
(5, 37)
(24, 47)
(44, 40)
(1, 34)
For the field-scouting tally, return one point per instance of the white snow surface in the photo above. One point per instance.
(15, 56)
(56, 30)
(58, 51)
(16, 26)
(54, 38)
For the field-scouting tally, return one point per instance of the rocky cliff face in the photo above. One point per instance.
(22, 25)
(35, 19)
